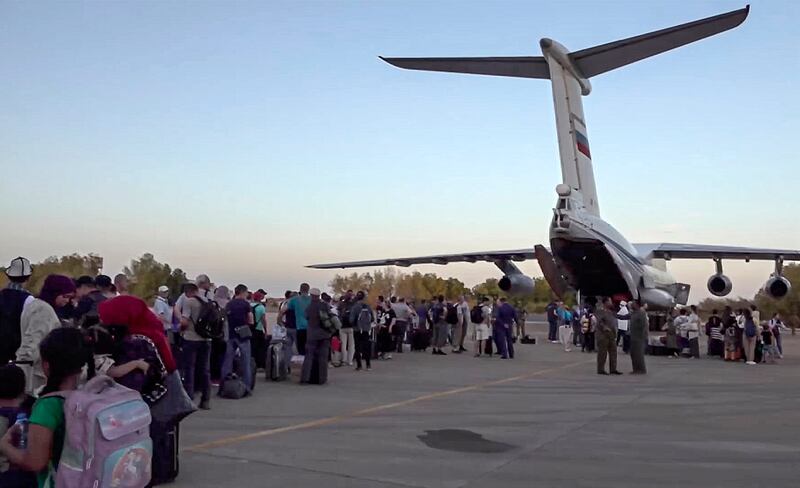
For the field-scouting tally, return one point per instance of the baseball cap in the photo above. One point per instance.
(19, 267)
(314, 291)
(163, 288)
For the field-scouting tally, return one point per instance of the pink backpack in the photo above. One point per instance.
(107, 442)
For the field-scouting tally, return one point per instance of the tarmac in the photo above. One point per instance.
(544, 419)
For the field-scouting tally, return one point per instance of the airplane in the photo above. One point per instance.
(587, 254)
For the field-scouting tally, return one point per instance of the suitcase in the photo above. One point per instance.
(239, 370)
(277, 363)
(166, 465)
(420, 339)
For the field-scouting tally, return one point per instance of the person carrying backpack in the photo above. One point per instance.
(362, 318)
(13, 299)
(196, 349)
(440, 326)
(63, 353)
(14, 404)
(750, 337)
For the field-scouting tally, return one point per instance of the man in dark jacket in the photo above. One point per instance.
(12, 300)
(318, 342)
(362, 317)
(606, 337)
(638, 336)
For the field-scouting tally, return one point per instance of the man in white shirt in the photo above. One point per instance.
(463, 317)
(693, 332)
(162, 309)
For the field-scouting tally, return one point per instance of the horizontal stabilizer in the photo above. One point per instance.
(516, 66)
(599, 59)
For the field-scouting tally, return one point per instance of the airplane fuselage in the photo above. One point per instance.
(596, 259)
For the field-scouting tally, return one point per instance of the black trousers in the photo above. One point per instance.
(302, 336)
(315, 365)
(398, 333)
(363, 347)
(258, 345)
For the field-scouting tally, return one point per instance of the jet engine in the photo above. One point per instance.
(777, 286)
(516, 284)
(719, 285)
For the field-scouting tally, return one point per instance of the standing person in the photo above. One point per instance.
(346, 333)
(693, 332)
(716, 341)
(121, 284)
(503, 327)
(577, 335)
(422, 315)
(775, 325)
(259, 339)
(402, 314)
(13, 298)
(671, 328)
(362, 318)
(522, 318)
(240, 321)
(463, 319)
(63, 355)
(38, 318)
(222, 295)
(481, 318)
(623, 315)
(638, 328)
(437, 318)
(318, 345)
(286, 319)
(298, 305)
(565, 327)
(588, 328)
(552, 321)
(195, 350)
(750, 337)
(771, 352)
(163, 310)
(729, 329)
(606, 337)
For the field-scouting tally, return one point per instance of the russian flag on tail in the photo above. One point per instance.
(583, 144)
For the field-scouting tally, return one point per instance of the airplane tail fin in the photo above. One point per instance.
(569, 73)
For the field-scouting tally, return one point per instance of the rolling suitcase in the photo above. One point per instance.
(420, 339)
(277, 368)
(166, 465)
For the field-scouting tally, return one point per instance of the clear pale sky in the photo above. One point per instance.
(247, 139)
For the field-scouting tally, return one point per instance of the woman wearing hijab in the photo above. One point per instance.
(134, 313)
(38, 318)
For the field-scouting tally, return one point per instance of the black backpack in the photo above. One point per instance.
(452, 315)
(210, 324)
(476, 315)
(10, 332)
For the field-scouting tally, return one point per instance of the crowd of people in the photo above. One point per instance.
(182, 347)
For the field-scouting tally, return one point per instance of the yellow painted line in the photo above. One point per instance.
(367, 411)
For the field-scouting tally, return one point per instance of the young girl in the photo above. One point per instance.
(63, 356)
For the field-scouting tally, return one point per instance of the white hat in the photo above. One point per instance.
(623, 303)
(18, 268)
(315, 292)
(163, 288)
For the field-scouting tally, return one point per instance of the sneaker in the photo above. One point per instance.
(477, 355)
(462, 349)
(369, 368)
(602, 372)
(442, 353)
(204, 405)
(567, 350)
(750, 362)
(456, 351)
(616, 373)
(358, 368)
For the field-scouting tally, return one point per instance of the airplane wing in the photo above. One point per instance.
(701, 251)
(469, 257)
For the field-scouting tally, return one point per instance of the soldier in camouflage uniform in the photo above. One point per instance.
(606, 337)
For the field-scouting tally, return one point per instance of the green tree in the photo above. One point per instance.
(146, 275)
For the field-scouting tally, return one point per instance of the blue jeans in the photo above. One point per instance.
(243, 345)
(503, 340)
(196, 360)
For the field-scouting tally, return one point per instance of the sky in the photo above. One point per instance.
(248, 139)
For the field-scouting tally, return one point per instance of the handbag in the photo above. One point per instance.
(175, 405)
(243, 332)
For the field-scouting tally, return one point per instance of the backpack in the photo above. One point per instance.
(436, 313)
(364, 320)
(209, 324)
(10, 332)
(107, 438)
(476, 315)
(750, 328)
(329, 322)
(452, 315)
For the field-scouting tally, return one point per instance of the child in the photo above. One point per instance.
(63, 356)
(13, 402)
(770, 350)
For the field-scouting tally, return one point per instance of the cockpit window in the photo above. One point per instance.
(563, 204)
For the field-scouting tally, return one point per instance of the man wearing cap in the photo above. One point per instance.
(318, 344)
(12, 300)
(162, 309)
